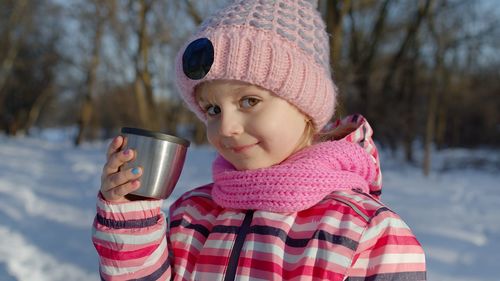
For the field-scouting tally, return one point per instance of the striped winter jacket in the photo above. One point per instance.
(347, 236)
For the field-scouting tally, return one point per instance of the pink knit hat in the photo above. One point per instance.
(279, 45)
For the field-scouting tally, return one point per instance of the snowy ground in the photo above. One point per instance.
(48, 188)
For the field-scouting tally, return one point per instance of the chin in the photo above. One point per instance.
(247, 167)
(251, 166)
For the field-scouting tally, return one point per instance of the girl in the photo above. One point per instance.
(292, 198)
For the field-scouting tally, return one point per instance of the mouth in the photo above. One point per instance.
(241, 148)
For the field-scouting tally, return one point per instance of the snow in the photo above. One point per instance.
(48, 189)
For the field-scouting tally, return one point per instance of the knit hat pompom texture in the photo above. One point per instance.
(279, 45)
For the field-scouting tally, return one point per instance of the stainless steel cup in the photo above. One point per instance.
(161, 157)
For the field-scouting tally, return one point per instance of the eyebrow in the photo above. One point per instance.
(235, 90)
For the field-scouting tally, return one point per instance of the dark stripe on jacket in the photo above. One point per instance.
(380, 210)
(198, 227)
(273, 231)
(153, 276)
(128, 223)
(297, 243)
(225, 229)
(398, 276)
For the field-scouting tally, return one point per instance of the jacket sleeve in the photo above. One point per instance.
(130, 239)
(388, 250)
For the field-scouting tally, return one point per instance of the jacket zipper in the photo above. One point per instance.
(238, 245)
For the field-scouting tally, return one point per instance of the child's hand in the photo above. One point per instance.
(115, 183)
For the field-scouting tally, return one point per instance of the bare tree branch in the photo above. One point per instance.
(410, 35)
(195, 15)
(7, 63)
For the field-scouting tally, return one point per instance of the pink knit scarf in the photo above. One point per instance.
(296, 184)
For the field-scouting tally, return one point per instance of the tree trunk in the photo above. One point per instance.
(35, 110)
(442, 122)
(335, 12)
(87, 106)
(409, 101)
(11, 43)
(433, 97)
(430, 129)
(140, 98)
(142, 84)
(84, 119)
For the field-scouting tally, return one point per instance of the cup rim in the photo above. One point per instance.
(156, 135)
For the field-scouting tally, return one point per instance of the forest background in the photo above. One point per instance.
(423, 72)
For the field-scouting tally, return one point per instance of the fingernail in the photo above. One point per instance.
(126, 152)
(136, 171)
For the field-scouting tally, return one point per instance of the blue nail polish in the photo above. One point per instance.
(135, 171)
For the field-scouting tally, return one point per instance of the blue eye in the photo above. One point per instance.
(212, 110)
(249, 102)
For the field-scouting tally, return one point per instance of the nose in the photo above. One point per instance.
(230, 124)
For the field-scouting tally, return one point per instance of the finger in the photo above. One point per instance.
(116, 160)
(114, 146)
(125, 141)
(121, 178)
(120, 191)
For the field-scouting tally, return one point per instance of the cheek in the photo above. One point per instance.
(281, 127)
(211, 130)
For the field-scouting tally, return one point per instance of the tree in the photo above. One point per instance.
(101, 12)
(142, 85)
(14, 26)
(28, 58)
(364, 51)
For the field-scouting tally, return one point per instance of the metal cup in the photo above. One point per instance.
(161, 157)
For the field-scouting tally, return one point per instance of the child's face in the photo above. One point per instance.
(249, 126)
